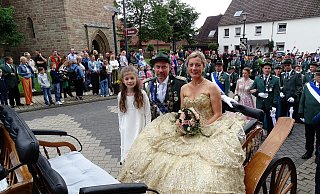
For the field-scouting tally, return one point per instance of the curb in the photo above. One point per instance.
(67, 104)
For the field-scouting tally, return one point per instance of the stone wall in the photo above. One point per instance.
(95, 16)
(60, 25)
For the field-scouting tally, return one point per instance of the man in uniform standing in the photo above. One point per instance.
(210, 67)
(181, 68)
(233, 78)
(291, 85)
(267, 90)
(310, 75)
(221, 78)
(309, 107)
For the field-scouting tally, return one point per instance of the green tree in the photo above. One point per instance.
(150, 48)
(8, 28)
(137, 15)
(182, 18)
(213, 46)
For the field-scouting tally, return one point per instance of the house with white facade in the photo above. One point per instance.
(292, 25)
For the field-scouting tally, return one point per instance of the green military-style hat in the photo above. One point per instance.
(314, 63)
(266, 63)
(161, 56)
(278, 67)
(318, 71)
(287, 61)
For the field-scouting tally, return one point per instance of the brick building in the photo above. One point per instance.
(60, 25)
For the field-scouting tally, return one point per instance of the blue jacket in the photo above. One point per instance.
(24, 69)
(91, 66)
(77, 69)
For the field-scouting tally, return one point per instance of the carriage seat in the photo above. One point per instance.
(78, 172)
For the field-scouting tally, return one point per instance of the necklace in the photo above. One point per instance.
(197, 84)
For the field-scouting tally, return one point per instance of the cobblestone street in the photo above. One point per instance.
(96, 126)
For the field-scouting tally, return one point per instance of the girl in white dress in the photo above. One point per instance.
(133, 109)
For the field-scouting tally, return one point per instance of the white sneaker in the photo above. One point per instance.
(62, 100)
(86, 93)
(59, 103)
(34, 90)
(101, 95)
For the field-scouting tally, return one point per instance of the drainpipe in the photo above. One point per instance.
(87, 34)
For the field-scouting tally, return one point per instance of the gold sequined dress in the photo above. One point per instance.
(171, 163)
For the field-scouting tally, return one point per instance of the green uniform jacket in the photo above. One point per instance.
(224, 80)
(307, 77)
(176, 84)
(308, 106)
(208, 70)
(182, 71)
(292, 86)
(12, 80)
(233, 81)
(273, 91)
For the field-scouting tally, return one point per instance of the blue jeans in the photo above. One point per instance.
(47, 95)
(56, 88)
(104, 87)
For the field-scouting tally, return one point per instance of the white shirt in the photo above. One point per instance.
(266, 77)
(318, 84)
(162, 89)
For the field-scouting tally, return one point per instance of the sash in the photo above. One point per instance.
(315, 92)
(215, 80)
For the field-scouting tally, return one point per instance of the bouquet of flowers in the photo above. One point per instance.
(188, 121)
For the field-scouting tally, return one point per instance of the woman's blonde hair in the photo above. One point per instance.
(23, 58)
(138, 96)
(196, 54)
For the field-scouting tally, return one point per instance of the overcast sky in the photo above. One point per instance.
(208, 8)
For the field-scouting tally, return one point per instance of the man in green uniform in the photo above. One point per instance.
(309, 107)
(164, 89)
(233, 78)
(291, 85)
(210, 67)
(221, 78)
(267, 90)
(181, 68)
(310, 75)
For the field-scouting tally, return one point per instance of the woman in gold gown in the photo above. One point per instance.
(204, 163)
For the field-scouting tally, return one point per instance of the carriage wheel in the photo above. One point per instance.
(280, 177)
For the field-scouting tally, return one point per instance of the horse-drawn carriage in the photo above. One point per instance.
(28, 168)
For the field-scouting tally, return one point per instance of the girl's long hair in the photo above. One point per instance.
(138, 96)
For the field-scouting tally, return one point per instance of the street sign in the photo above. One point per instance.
(243, 43)
(131, 31)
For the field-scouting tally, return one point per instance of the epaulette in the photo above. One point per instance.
(181, 78)
(147, 80)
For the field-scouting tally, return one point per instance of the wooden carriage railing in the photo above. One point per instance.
(252, 142)
(19, 180)
(266, 152)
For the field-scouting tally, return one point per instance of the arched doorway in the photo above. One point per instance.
(95, 46)
(100, 42)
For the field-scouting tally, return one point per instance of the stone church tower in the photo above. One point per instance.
(62, 24)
